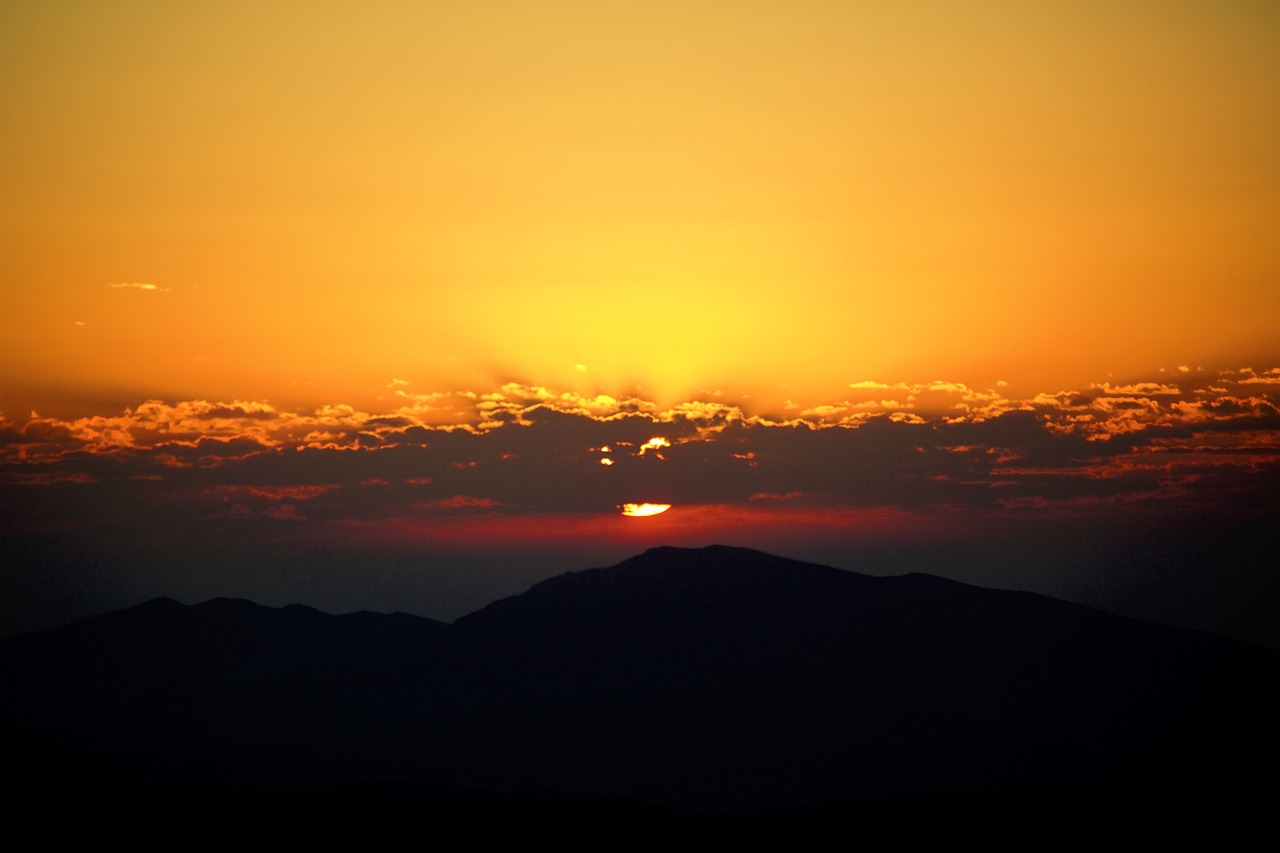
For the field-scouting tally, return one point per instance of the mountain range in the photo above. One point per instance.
(691, 682)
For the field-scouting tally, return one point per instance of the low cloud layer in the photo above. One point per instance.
(1190, 438)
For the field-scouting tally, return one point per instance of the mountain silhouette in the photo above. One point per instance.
(699, 679)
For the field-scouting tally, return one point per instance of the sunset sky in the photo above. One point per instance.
(395, 305)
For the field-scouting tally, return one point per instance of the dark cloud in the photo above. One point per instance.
(533, 451)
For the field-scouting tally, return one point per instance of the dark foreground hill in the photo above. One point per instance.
(707, 680)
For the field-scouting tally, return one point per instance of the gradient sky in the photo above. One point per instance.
(286, 281)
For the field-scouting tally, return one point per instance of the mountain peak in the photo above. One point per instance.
(714, 548)
(161, 603)
(712, 585)
(709, 556)
(673, 553)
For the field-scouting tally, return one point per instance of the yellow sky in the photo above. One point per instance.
(771, 200)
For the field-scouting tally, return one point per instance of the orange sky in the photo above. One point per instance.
(769, 200)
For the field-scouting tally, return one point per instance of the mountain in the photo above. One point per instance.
(767, 680)
(78, 670)
(699, 679)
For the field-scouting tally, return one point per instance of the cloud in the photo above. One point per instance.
(1145, 388)
(295, 493)
(462, 502)
(131, 285)
(526, 449)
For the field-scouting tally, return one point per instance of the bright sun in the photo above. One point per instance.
(641, 510)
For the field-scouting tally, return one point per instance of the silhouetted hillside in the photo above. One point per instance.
(716, 678)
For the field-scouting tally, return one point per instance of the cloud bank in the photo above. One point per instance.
(1196, 438)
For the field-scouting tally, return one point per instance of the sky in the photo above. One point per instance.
(397, 305)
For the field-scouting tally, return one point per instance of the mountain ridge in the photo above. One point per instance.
(663, 554)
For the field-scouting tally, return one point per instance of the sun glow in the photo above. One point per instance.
(643, 510)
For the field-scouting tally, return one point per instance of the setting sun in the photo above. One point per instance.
(643, 510)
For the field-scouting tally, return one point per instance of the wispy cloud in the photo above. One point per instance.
(136, 285)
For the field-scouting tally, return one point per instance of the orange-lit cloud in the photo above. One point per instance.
(654, 446)
(545, 452)
(137, 286)
(296, 493)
